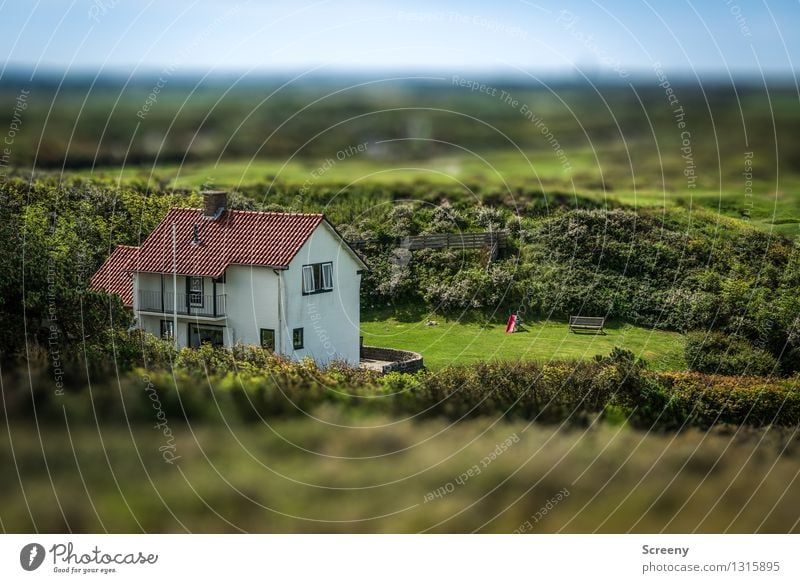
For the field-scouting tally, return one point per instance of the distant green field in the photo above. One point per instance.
(496, 169)
(461, 342)
(592, 175)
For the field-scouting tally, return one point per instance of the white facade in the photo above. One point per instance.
(252, 302)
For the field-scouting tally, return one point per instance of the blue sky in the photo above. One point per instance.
(504, 36)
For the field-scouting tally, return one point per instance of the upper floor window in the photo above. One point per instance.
(195, 285)
(317, 277)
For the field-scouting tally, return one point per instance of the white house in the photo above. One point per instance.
(285, 281)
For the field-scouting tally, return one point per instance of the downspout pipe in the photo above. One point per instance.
(281, 314)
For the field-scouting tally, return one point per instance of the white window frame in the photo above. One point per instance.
(317, 278)
(308, 279)
(327, 276)
(193, 293)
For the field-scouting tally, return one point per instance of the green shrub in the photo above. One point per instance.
(250, 384)
(718, 353)
(711, 399)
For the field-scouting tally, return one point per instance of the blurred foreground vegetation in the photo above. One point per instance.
(374, 474)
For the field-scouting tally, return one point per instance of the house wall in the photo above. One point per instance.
(330, 320)
(148, 282)
(150, 324)
(252, 302)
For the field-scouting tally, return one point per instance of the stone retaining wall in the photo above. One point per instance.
(397, 360)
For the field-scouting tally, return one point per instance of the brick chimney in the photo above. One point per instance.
(214, 203)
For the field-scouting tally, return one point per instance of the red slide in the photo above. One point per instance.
(512, 324)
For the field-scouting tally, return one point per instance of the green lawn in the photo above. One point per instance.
(459, 342)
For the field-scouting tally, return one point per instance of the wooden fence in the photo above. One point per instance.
(454, 240)
(489, 239)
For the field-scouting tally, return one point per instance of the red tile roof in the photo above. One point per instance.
(114, 276)
(236, 238)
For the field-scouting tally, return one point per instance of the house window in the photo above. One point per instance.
(195, 291)
(199, 335)
(327, 276)
(267, 339)
(317, 277)
(167, 330)
(297, 338)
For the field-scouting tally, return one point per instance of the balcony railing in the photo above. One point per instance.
(187, 304)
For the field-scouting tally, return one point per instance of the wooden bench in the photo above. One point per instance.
(586, 323)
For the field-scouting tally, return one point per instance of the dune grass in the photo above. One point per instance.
(471, 338)
(377, 474)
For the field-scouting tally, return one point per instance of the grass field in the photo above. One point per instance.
(769, 206)
(495, 169)
(455, 341)
(377, 474)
